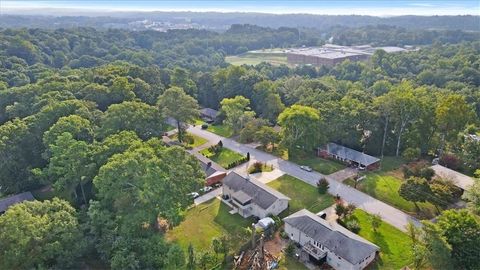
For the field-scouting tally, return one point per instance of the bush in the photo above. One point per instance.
(220, 144)
(450, 161)
(411, 154)
(256, 167)
(204, 126)
(188, 139)
(322, 186)
(290, 249)
(421, 170)
(352, 225)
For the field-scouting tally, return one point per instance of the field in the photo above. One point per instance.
(257, 58)
(395, 245)
(207, 221)
(302, 195)
(224, 157)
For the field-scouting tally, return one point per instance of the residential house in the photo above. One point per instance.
(460, 180)
(209, 115)
(329, 242)
(347, 155)
(253, 198)
(215, 173)
(5, 203)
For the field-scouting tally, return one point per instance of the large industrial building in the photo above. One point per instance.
(330, 54)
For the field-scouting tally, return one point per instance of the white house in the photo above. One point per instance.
(253, 198)
(329, 242)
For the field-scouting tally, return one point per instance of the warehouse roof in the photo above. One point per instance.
(350, 154)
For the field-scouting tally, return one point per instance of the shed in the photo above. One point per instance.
(348, 155)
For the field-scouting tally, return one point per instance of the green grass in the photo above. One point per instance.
(302, 195)
(391, 163)
(385, 188)
(169, 127)
(221, 130)
(323, 166)
(395, 245)
(257, 58)
(207, 221)
(224, 157)
(289, 263)
(197, 140)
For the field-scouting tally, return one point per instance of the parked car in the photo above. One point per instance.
(194, 195)
(206, 189)
(322, 215)
(217, 185)
(306, 168)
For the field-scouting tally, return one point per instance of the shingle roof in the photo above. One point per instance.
(209, 112)
(14, 199)
(460, 180)
(262, 195)
(204, 163)
(350, 154)
(333, 236)
(241, 197)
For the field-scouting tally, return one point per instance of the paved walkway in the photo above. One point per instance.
(208, 196)
(363, 201)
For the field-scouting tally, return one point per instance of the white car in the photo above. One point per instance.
(194, 195)
(306, 168)
(206, 189)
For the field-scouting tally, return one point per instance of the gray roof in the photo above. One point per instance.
(261, 194)
(350, 154)
(460, 180)
(333, 236)
(211, 113)
(204, 163)
(14, 199)
(241, 197)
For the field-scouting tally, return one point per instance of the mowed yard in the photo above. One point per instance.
(395, 245)
(302, 195)
(224, 157)
(385, 184)
(207, 221)
(197, 140)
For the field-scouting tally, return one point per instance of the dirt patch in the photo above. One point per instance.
(276, 245)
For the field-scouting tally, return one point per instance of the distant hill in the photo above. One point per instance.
(221, 21)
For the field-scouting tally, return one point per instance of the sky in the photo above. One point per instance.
(324, 7)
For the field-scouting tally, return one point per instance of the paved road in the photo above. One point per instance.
(363, 201)
(208, 196)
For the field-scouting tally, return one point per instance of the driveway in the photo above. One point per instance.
(363, 201)
(344, 174)
(208, 196)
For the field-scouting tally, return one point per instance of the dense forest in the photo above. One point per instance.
(82, 110)
(222, 21)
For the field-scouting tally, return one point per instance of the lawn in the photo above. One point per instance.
(385, 186)
(224, 157)
(221, 130)
(197, 140)
(289, 263)
(302, 195)
(207, 221)
(257, 58)
(323, 166)
(395, 245)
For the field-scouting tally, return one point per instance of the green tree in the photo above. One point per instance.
(300, 127)
(70, 166)
(79, 127)
(267, 136)
(40, 235)
(462, 231)
(191, 258)
(237, 113)
(375, 221)
(472, 196)
(416, 190)
(438, 251)
(144, 119)
(221, 245)
(175, 258)
(181, 107)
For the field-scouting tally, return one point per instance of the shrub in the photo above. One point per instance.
(340, 210)
(256, 167)
(188, 139)
(450, 161)
(290, 249)
(204, 126)
(248, 155)
(220, 144)
(322, 186)
(411, 154)
(421, 170)
(352, 225)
